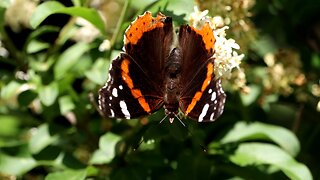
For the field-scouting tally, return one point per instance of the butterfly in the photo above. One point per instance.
(153, 73)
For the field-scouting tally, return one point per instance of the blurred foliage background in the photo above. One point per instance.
(54, 56)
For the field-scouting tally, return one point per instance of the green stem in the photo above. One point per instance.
(118, 27)
(13, 51)
(60, 40)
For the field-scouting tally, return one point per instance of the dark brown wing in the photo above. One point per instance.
(202, 97)
(136, 77)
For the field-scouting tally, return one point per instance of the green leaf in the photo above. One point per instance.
(5, 3)
(43, 11)
(16, 165)
(9, 125)
(66, 104)
(106, 153)
(68, 59)
(48, 94)
(267, 154)
(2, 14)
(68, 174)
(99, 72)
(10, 90)
(251, 97)
(26, 97)
(260, 131)
(40, 139)
(38, 32)
(36, 46)
(264, 45)
(52, 7)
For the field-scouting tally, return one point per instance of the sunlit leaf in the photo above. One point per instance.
(52, 7)
(260, 131)
(49, 93)
(36, 46)
(67, 174)
(9, 125)
(10, 90)
(41, 138)
(66, 104)
(267, 154)
(15, 165)
(106, 151)
(68, 59)
(99, 72)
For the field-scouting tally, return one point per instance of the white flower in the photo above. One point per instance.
(197, 18)
(3, 51)
(86, 32)
(225, 57)
(105, 45)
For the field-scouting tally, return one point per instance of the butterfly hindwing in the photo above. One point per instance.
(116, 91)
(210, 104)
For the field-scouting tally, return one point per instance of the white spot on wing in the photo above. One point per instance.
(120, 87)
(110, 97)
(211, 117)
(112, 113)
(101, 101)
(210, 91)
(213, 96)
(124, 109)
(204, 112)
(114, 92)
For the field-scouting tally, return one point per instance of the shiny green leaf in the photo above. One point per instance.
(260, 131)
(267, 154)
(52, 7)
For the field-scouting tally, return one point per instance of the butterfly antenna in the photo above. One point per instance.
(138, 145)
(190, 133)
(182, 123)
(163, 119)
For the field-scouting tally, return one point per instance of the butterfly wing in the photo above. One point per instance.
(202, 97)
(136, 77)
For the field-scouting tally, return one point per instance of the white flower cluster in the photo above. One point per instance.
(226, 58)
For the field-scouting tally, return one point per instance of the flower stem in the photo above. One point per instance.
(118, 27)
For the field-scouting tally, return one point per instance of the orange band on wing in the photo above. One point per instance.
(205, 84)
(207, 36)
(141, 25)
(135, 92)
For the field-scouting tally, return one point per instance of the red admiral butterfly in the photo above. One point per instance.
(150, 74)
